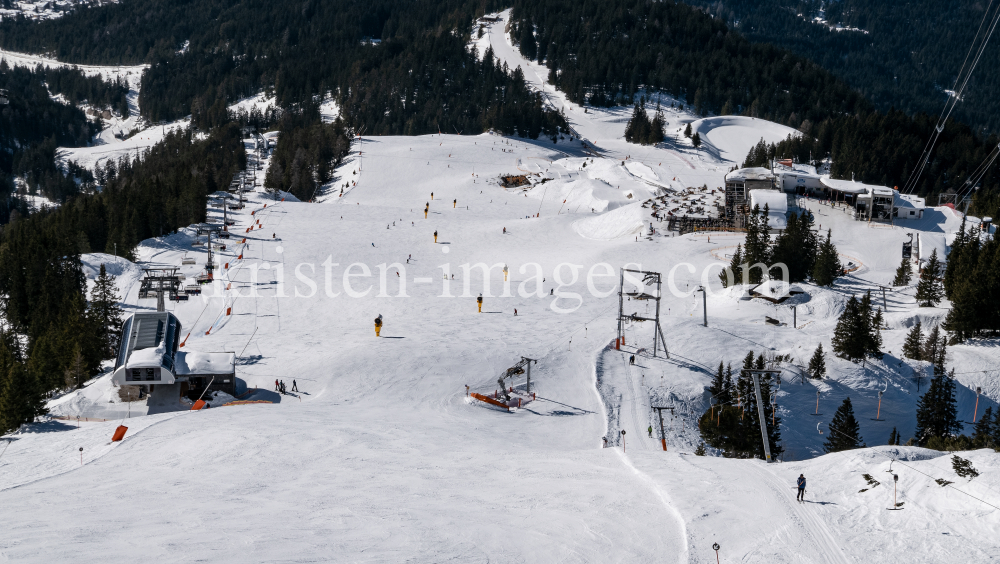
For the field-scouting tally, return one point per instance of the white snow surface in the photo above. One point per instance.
(381, 457)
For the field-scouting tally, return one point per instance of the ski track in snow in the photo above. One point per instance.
(827, 545)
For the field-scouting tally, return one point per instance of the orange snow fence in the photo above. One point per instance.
(243, 241)
(282, 199)
(253, 212)
(119, 433)
(229, 311)
(488, 400)
(240, 257)
(265, 205)
(227, 266)
(198, 405)
(246, 402)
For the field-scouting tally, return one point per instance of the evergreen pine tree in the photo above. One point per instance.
(734, 273)
(696, 140)
(929, 289)
(795, 247)
(935, 349)
(757, 247)
(849, 335)
(656, 128)
(687, 130)
(982, 433)
(912, 344)
(827, 267)
(700, 450)
(937, 413)
(105, 313)
(718, 383)
(638, 129)
(893, 437)
(817, 364)
(903, 274)
(22, 399)
(874, 342)
(995, 429)
(76, 373)
(759, 363)
(845, 433)
(929, 349)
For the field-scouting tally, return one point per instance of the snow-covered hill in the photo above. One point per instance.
(382, 457)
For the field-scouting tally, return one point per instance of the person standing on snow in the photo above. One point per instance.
(295, 386)
(480, 301)
(378, 325)
(454, 203)
(650, 431)
(631, 359)
(435, 236)
(276, 387)
(801, 482)
(505, 273)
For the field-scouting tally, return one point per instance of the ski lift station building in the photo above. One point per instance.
(873, 202)
(739, 184)
(149, 355)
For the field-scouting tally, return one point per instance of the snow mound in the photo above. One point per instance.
(114, 266)
(730, 138)
(617, 223)
(642, 171)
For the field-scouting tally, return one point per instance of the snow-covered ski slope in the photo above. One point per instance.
(382, 458)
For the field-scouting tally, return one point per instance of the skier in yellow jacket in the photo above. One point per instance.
(435, 236)
(480, 301)
(378, 325)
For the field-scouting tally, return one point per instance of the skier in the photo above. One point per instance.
(276, 388)
(274, 236)
(295, 386)
(631, 359)
(504, 230)
(650, 431)
(802, 487)
(378, 325)
(505, 273)
(435, 236)
(432, 195)
(480, 301)
(426, 209)
(454, 203)
(515, 312)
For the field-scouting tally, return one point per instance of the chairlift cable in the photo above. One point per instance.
(954, 98)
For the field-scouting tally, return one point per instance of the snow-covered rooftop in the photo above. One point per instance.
(754, 173)
(908, 201)
(191, 362)
(847, 186)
